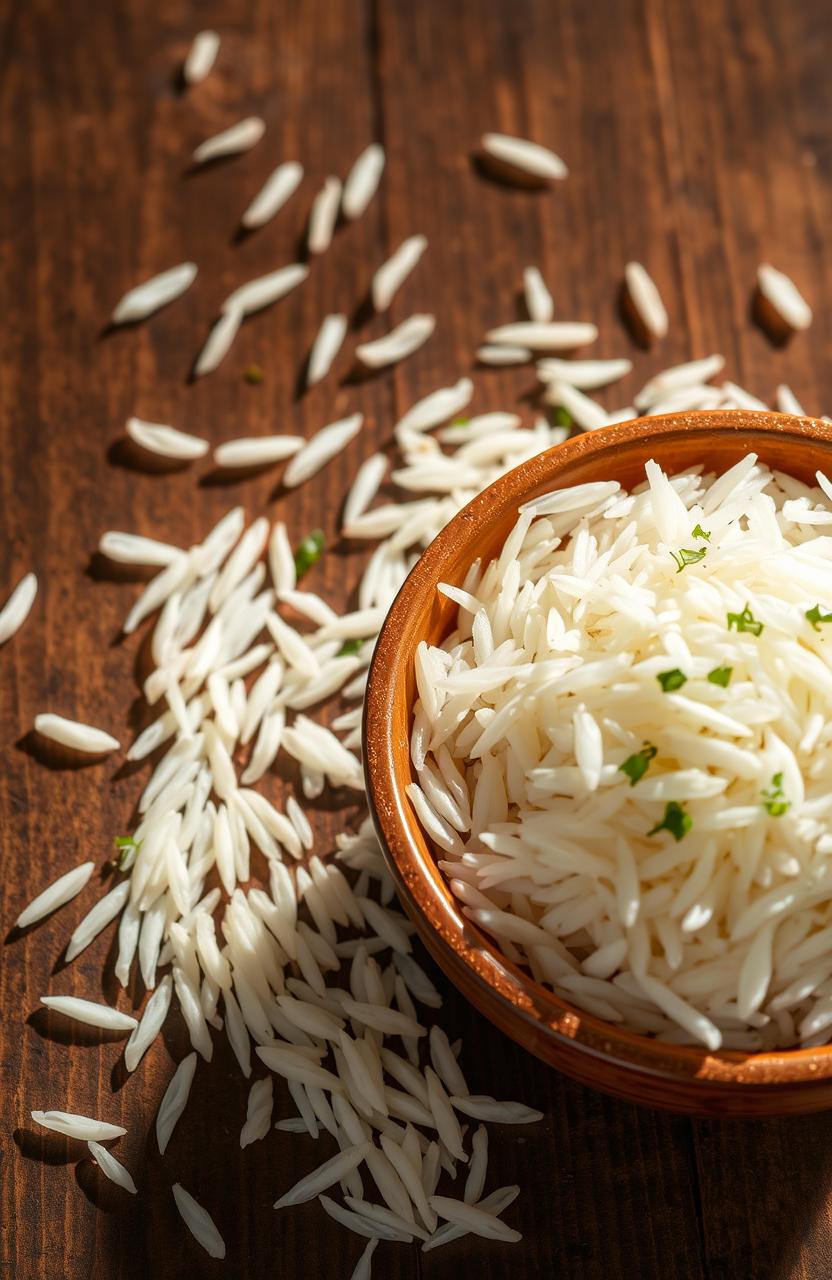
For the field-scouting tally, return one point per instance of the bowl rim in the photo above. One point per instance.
(469, 956)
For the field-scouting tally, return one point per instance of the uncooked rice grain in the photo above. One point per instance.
(258, 1112)
(392, 274)
(553, 335)
(326, 1174)
(363, 1268)
(72, 1125)
(16, 609)
(265, 290)
(56, 895)
(588, 375)
(151, 295)
(498, 355)
(325, 348)
(585, 412)
(199, 1222)
(218, 343)
(200, 57)
(257, 451)
(112, 1168)
(74, 734)
(538, 299)
(167, 442)
(646, 300)
(241, 136)
(323, 216)
(174, 1101)
(87, 1011)
(481, 1107)
(362, 181)
(152, 1020)
(321, 449)
(781, 292)
(524, 157)
(276, 190)
(399, 343)
(105, 910)
(474, 1219)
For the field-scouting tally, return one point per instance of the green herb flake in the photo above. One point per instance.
(720, 676)
(348, 648)
(687, 555)
(815, 616)
(675, 820)
(745, 621)
(563, 418)
(254, 374)
(671, 680)
(460, 422)
(635, 766)
(699, 532)
(774, 798)
(309, 552)
(127, 850)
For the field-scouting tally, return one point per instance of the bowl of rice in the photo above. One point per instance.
(598, 750)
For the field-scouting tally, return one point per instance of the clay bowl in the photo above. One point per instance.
(597, 1053)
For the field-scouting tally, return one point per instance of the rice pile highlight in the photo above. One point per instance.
(623, 753)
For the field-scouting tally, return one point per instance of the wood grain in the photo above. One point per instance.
(698, 141)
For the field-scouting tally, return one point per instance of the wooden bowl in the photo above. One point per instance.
(620, 1062)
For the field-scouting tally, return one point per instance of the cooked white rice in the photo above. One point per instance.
(635, 702)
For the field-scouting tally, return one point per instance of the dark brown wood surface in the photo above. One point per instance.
(699, 141)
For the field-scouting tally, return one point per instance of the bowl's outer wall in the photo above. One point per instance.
(623, 1063)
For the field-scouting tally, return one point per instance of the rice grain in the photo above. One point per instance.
(174, 1101)
(166, 441)
(362, 181)
(200, 57)
(392, 274)
(323, 216)
(16, 609)
(398, 344)
(199, 1222)
(518, 159)
(645, 300)
(325, 348)
(279, 187)
(112, 1168)
(87, 1011)
(241, 136)
(140, 302)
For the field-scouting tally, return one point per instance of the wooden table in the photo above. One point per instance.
(698, 140)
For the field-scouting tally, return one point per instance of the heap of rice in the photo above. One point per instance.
(623, 752)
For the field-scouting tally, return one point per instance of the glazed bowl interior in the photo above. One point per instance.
(598, 1053)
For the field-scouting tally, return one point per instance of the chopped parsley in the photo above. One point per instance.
(720, 676)
(675, 820)
(699, 532)
(254, 374)
(460, 422)
(309, 552)
(670, 680)
(563, 418)
(636, 765)
(348, 648)
(815, 616)
(127, 850)
(745, 621)
(686, 555)
(774, 798)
